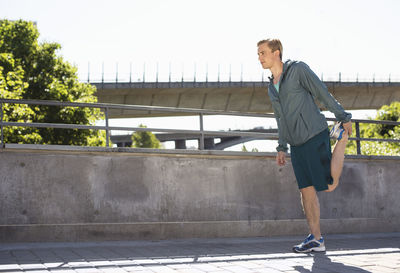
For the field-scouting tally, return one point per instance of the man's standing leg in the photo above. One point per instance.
(314, 241)
(310, 202)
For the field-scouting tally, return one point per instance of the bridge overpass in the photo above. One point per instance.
(231, 96)
(209, 141)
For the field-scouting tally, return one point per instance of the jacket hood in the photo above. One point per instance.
(286, 66)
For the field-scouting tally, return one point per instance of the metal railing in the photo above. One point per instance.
(148, 73)
(200, 112)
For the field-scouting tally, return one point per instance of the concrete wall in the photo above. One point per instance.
(68, 196)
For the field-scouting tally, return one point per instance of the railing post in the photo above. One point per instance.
(194, 76)
(183, 68)
(358, 138)
(144, 74)
(230, 73)
(201, 132)
(107, 132)
(130, 73)
(102, 75)
(206, 74)
(157, 76)
(1, 121)
(169, 77)
(241, 75)
(88, 73)
(219, 75)
(116, 73)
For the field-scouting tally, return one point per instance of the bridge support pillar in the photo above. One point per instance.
(180, 144)
(209, 144)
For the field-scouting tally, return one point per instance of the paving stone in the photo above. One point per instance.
(179, 266)
(237, 269)
(160, 269)
(206, 267)
(268, 270)
(60, 270)
(190, 270)
(5, 267)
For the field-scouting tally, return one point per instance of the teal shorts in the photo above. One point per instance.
(312, 162)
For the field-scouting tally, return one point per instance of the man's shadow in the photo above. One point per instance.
(322, 263)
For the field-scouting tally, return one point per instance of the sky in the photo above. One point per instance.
(359, 39)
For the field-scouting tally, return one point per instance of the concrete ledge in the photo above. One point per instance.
(56, 195)
(183, 230)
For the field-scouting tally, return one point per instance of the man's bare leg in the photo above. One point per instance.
(337, 161)
(309, 200)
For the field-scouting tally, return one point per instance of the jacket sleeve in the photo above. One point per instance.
(318, 89)
(282, 144)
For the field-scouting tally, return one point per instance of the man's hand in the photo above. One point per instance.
(280, 158)
(347, 127)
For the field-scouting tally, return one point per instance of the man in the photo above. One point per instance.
(292, 89)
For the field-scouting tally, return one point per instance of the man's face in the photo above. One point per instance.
(265, 56)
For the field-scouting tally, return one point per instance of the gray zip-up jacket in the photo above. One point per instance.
(297, 115)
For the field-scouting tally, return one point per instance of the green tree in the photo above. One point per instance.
(12, 86)
(145, 139)
(388, 113)
(33, 70)
(244, 149)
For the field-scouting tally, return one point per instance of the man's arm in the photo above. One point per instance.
(318, 89)
(282, 144)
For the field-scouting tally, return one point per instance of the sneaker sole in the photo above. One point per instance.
(314, 249)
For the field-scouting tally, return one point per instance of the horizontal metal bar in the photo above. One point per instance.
(145, 129)
(136, 107)
(142, 129)
(53, 125)
(197, 132)
(386, 122)
(374, 139)
(168, 109)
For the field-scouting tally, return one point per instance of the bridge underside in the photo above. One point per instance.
(231, 96)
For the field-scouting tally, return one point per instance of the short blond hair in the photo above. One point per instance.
(273, 44)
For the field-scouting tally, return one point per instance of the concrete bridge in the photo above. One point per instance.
(209, 141)
(232, 96)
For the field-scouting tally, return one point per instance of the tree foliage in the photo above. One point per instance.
(33, 70)
(381, 131)
(145, 139)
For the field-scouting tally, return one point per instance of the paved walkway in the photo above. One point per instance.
(346, 253)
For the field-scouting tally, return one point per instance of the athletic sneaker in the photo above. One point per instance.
(310, 244)
(337, 131)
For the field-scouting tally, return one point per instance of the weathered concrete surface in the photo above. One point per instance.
(72, 195)
(232, 96)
